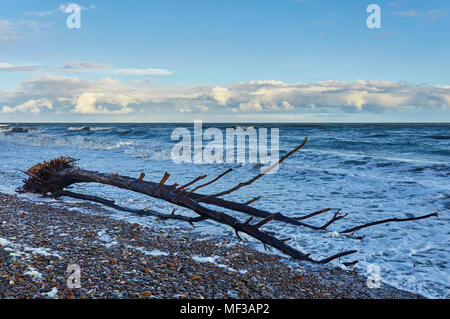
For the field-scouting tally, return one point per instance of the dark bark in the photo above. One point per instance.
(72, 176)
(54, 177)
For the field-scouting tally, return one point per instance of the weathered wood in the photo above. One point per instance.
(389, 220)
(141, 212)
(70, 176)
(53, 177)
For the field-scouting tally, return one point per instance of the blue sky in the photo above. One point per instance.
(286, 60)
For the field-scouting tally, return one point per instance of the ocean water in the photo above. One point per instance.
(371, 171)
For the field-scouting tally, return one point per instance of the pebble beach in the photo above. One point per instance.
(118, 259)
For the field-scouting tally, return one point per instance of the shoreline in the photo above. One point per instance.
(118, 259)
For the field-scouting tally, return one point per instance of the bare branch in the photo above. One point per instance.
(342, 254)
(352, 230)
(265, 221)
(248, 221)
(254, 179)
(335, 218)
(164, 179)
(210, 182)
(313, 214)
(141, 212)
(195, 180)
(253, 200)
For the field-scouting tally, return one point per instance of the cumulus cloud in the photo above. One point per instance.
(90, 103)
(337, 94)
(52, 93)
(221, 95)
(253, 105)
(33, 106)
(71, 95)
(196, 109)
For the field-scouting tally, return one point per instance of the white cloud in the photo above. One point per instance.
(427, 15)
(83, 67)
(32, 26)
(7, 31)
(436, 14)
(9, 37)
(195, 109)
(287, 106)
(88, 103)
(253, 105)
(60, 10)
(202, 108)
(5, 24)
(148, 71)
(143, 81)
(66, 94)
(40, 13)
(6, 67)
(359, 95)
(221, 95)
(63, 8)
(407, 13)
(22, 28)
(33, 106)
(75, 65)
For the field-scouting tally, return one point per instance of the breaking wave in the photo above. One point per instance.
(78, 142)
(89, 128)
(370, 171)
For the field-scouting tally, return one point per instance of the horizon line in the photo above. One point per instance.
(236, 122)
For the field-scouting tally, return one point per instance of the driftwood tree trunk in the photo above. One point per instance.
(54, 177)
